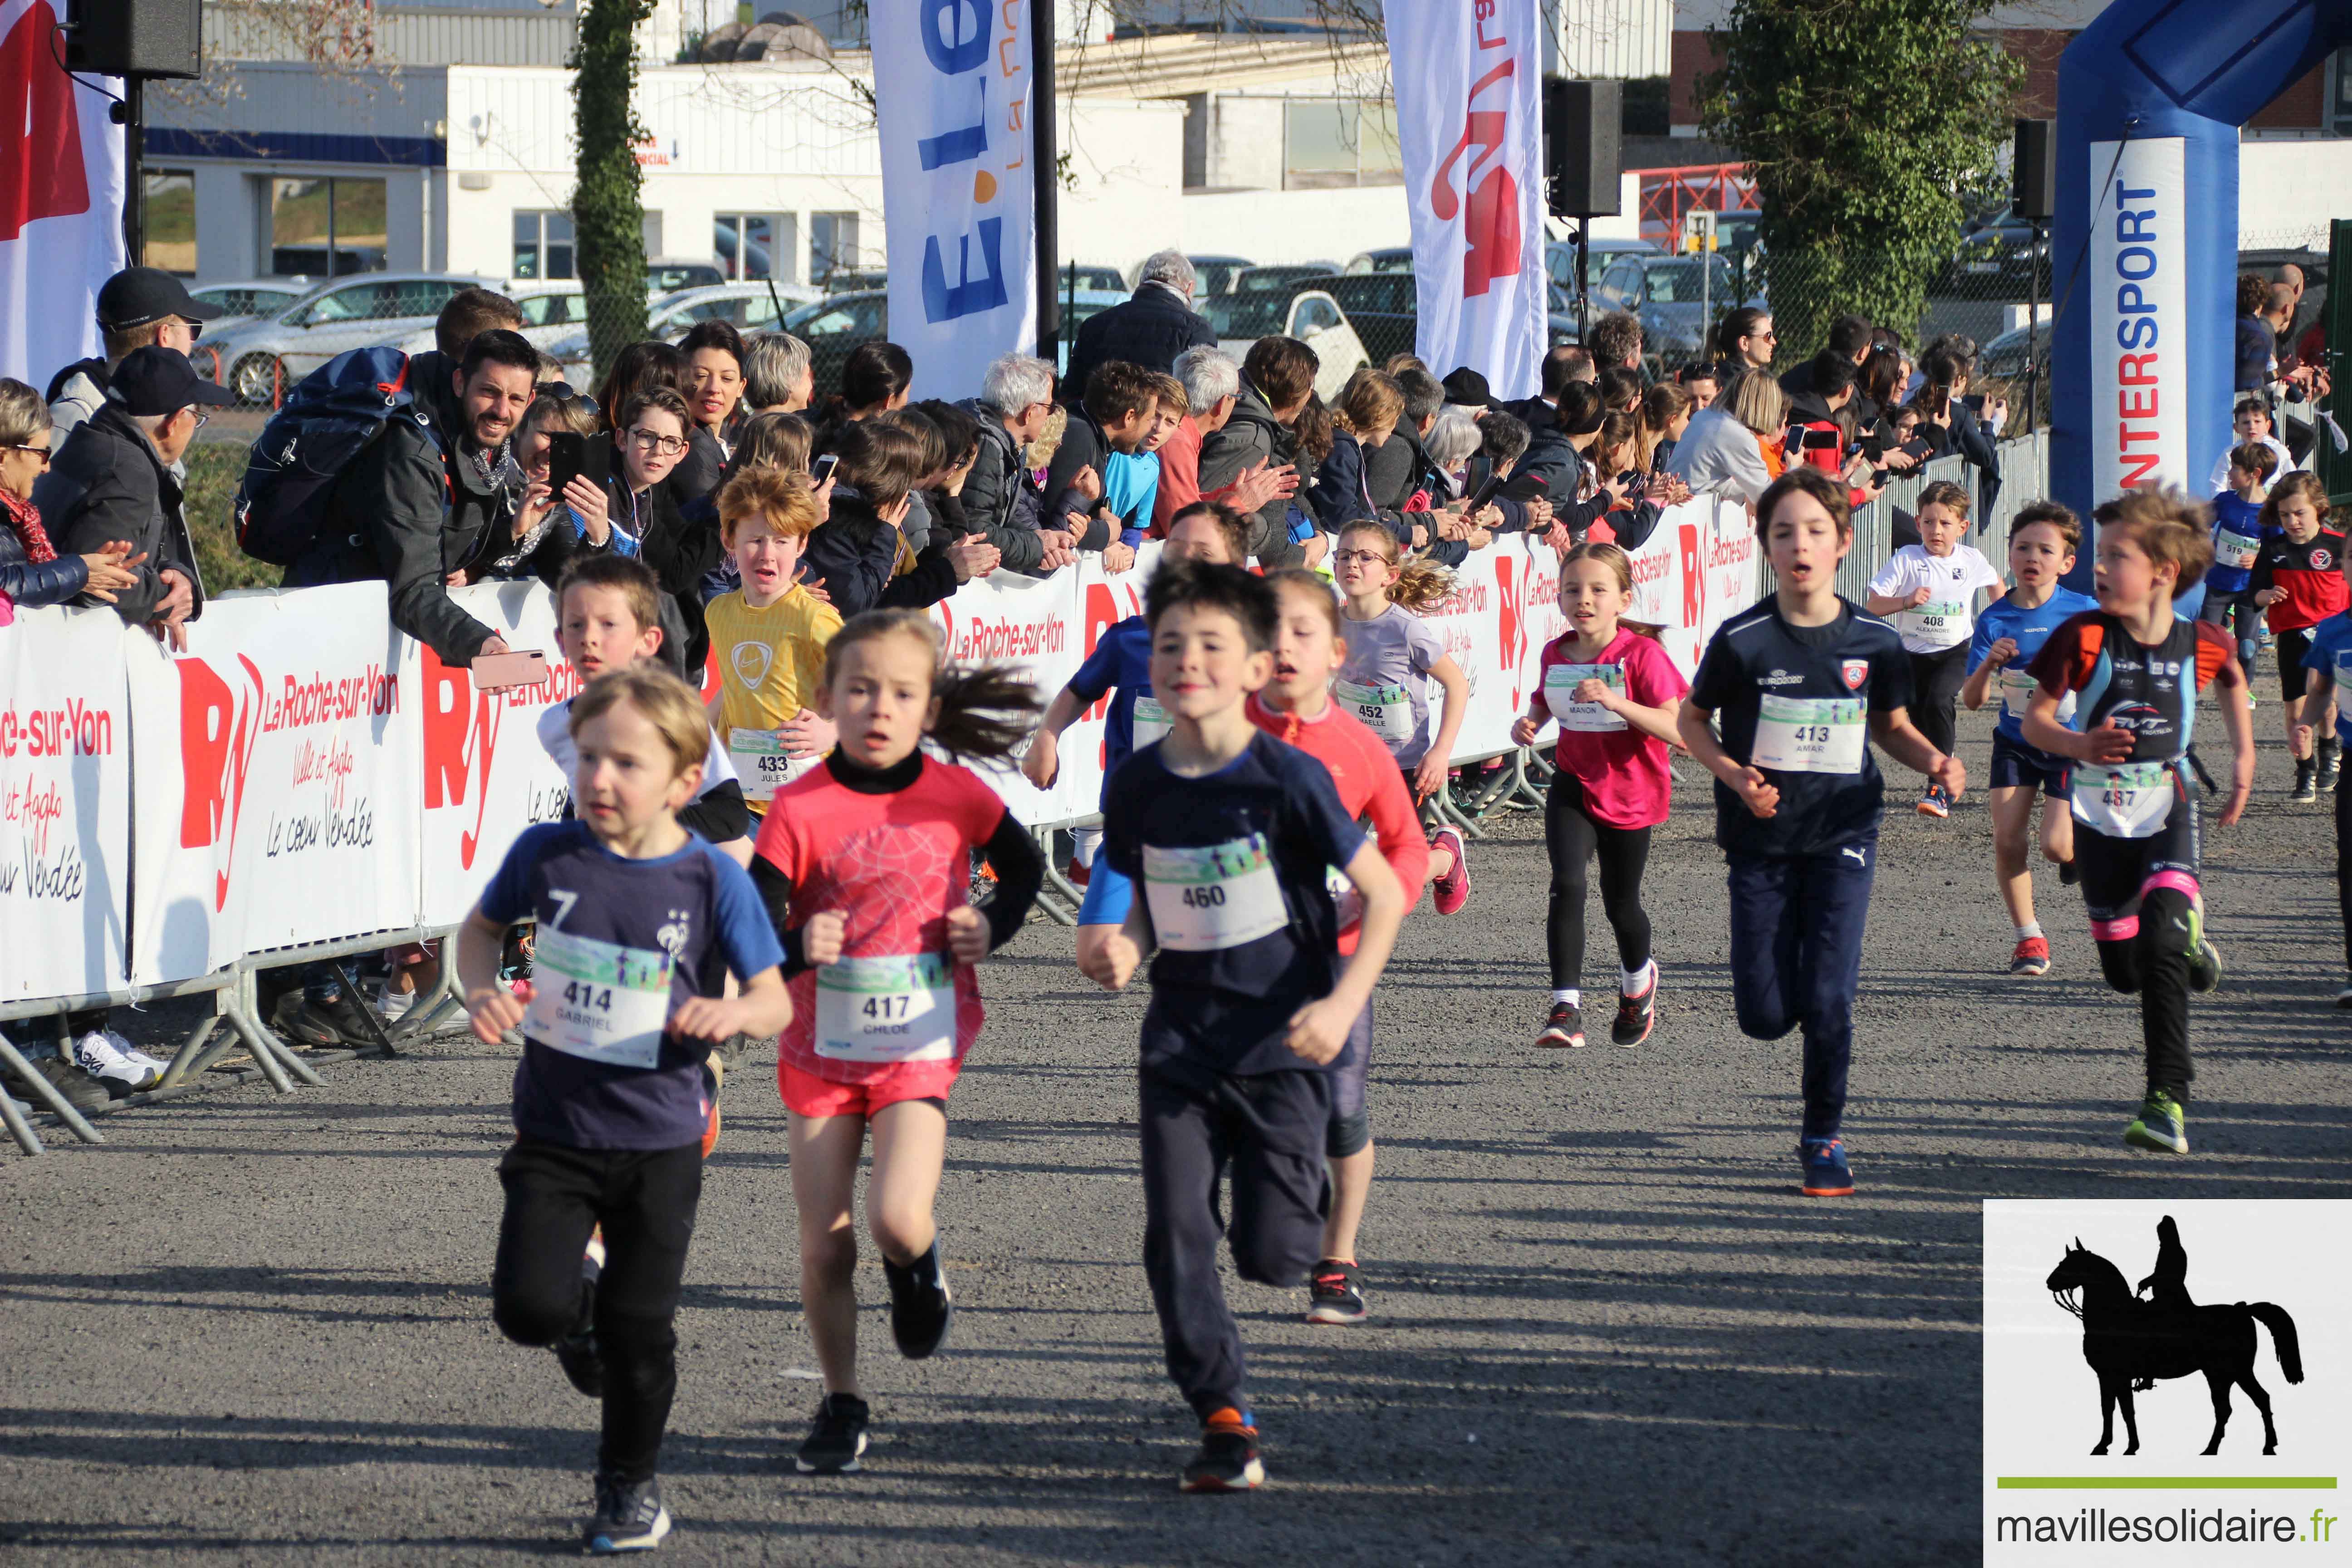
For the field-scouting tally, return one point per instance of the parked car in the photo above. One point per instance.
(258, 360)
(1992, 257)
(242, 301)
(834, 327)
(1675, 301)
(551, 311)
(1214, 274)
(668, 275)
(750, 307)
(1280, 279)
(1389, 258)
(1560, 262)
(1311, 315)
(1089, 278)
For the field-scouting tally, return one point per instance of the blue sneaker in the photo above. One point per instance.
(1827, 1174)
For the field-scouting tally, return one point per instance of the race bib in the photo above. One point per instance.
(898, 1008)
(1939, 624)
(761, 763)
(1151, 724)
(597, 1000)
(1561, 681)
(1385, 711)
(2234, 548)
(2017, 688)
(2127, 802)
(1812, 734)
(1206, 899)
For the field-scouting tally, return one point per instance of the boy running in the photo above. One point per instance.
(2043, 539)
(639, 924)
(2298, 581)
(2328, 664)
(769, 635)
(1231, 835)
(1930, 589)
(1802, 683)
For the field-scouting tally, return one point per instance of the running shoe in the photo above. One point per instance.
(120, 1067)
(1335, 1294)
(837, 1437)
(1827, 1175)
(2306, 781)
(2331, 764)
(394, 1006)
(2031, 957)
(1228, 1460)
(581, 1362)
(714, 1078)
(2344, 997)
(1453, 889)
(84, 1092)
(1564, 1027)
(1636, 1016)
(629, 1516)
(1935, 802)
(2161, 1125)
(921, 1306)
(2069, 873)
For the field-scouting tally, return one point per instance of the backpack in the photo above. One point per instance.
(333, 415)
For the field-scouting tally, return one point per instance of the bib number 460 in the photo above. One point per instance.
(1203, 897)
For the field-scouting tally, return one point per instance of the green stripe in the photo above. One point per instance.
(2165, 1483)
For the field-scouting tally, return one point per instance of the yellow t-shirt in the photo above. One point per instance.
(770, 662)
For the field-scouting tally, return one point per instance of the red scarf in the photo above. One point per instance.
(27, 521)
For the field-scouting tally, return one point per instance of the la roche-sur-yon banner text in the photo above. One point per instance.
(951, 82)
(1470, 122)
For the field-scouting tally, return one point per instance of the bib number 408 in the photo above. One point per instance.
(581, 994)
(1203, 897)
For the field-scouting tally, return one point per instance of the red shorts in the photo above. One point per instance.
(805, 1094)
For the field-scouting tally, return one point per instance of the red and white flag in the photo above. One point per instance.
(1469, 117)
(61, 186)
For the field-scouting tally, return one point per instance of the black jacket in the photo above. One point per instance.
(108, 483)
(680, 551)
(1799, 382)
(854, 552)
(32, 586)
(1000, 500)
(933, 576)
(1149, 330)
(1249, 436)
(1083, 445)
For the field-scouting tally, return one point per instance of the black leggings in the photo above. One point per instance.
(1573, 835)
(2140, 894)
(1935, 679)
(646, 1200)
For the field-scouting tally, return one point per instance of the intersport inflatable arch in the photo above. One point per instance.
(2145, 231)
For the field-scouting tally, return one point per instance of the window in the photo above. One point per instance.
(833, 246)
(542, 245)
(1620, 285)
(168, 205)
(1314, 316)
(1328, 143)
(746, 245)
(550, 309)
(326, 227)
(360, 302)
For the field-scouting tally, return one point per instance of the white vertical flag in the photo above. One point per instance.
(61, 185)
(951, 83)
(1469, 116)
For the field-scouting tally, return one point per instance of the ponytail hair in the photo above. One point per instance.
(985, 710)
(1420, 584)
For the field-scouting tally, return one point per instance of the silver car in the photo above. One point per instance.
(752, 307)
(551, 311)
(260, 360)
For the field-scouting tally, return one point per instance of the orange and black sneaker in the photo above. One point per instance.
(714, 1076)
(1228, 1460)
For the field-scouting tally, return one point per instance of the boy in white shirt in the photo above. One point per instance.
(1929, 591)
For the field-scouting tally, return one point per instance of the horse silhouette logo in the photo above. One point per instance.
(2131, 1344)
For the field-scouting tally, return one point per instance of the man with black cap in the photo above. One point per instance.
(137, 308)
(112, 481)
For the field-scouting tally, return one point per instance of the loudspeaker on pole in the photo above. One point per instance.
(1581, 119)
(2033, 170)
(135, 38)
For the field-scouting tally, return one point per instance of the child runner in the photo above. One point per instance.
(1295, 706)
(1800, 682)
(873, 850)
(2138, 669)
(2043, 539)
(1930, 589)
(1234, 835)
(1121, 663)
(2328, 661)
(639, 923)
(769, 635)
(1392, 656)
(1615, 695)
(2238, 539)
(2298, 580)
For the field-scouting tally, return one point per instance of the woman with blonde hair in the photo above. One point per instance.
(1732, 447)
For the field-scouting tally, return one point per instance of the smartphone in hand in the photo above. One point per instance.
(502, 669)
(570, 455)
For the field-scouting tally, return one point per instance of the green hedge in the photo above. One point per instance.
(214, 469)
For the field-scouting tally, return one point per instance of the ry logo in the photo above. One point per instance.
(1509, 586)
(1694, 578)
(1491, 197)
(461, 736)
(217, 737)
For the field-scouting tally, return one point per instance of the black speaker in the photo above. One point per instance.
(135, 38)
(1582, 117)
(2033, 170)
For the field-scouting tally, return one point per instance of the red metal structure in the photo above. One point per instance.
(1667, 193)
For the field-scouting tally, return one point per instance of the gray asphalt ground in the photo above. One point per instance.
(1608, 1330)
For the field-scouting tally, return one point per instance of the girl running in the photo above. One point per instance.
(1617, 697)
(1295, 706)
(1392, 656)
(871, 853)
(2138, 668)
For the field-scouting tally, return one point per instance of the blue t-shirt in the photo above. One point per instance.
(1233, 866)
(1130, 487)
(2330, 653)
(696, 907)
(1123, 662)
(2030, 628)
(2233, 514)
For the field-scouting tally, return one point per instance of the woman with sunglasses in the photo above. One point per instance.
(32, 572)
(1744, 341)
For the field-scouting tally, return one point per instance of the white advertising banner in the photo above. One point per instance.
(1033, 624)
(1470, 121)
(487, 777)
(65, 804)
(2138, 292)
(276, 774)
(952, 80)
(61, 202)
